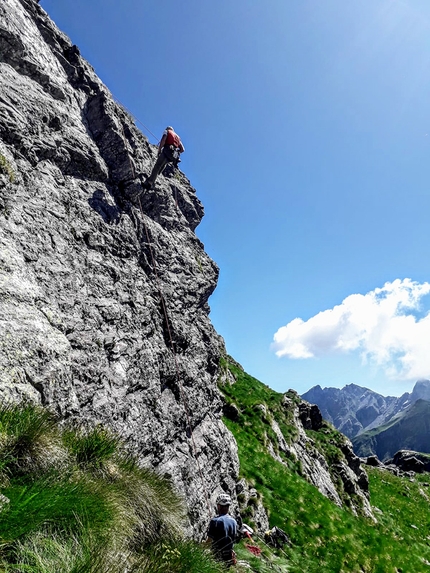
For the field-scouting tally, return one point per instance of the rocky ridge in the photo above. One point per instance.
(409, 430)
(344, 475)
(354, 409)
(403, 463)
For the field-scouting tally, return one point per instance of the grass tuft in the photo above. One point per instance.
(92, 448)
(90, 508)
(29, 438)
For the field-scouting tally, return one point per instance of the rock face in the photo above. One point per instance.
(404, 462)
(94, 292)
(104, 310)
(354, 409)
(408, 460)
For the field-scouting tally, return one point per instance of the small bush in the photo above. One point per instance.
(47, 551)
(159, 512)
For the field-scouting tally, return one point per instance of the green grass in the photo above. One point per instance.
(79, 503)
(28, 438)
(248, 393)
(326, 538)
(92, 448)
(55, 500)
(179, 557)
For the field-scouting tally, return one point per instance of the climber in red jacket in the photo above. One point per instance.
(169, 149)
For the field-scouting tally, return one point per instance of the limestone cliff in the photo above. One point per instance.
(81, 321)
(104, 310)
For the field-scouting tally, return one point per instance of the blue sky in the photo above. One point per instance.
(307, 134)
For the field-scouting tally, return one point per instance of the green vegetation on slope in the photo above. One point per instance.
(74, 501)
(326, 538)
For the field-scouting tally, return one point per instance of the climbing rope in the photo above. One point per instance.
(176, 188)
(136, 118)
(178, 377)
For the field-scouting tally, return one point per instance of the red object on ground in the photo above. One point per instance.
(254, 550)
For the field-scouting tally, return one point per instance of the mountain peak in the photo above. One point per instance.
(421, 390)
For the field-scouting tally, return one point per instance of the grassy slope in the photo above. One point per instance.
(325, 538)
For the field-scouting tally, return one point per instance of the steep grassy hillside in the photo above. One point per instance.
(326, 538)
(409, 430)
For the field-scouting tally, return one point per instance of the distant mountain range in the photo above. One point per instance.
(409, 430)
(354, 409)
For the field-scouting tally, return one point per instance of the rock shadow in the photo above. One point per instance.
(100, 203)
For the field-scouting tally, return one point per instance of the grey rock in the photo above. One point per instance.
(310, 416)
(248, 498)
(85, 274)
(262, 408)
(408, 460)
(240, 486)
(373, 461)
(4, 502)
(231, 411)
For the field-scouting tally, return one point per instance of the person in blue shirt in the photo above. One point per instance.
(222, 531)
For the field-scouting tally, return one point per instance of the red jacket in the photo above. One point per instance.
(173, 138)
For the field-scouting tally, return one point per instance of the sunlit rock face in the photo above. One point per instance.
(104, 312)
(85, 273)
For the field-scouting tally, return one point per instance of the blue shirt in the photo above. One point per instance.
(222, 526)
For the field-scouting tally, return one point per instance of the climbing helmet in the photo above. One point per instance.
(223, 499)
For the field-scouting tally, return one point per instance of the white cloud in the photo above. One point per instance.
(381, 325)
